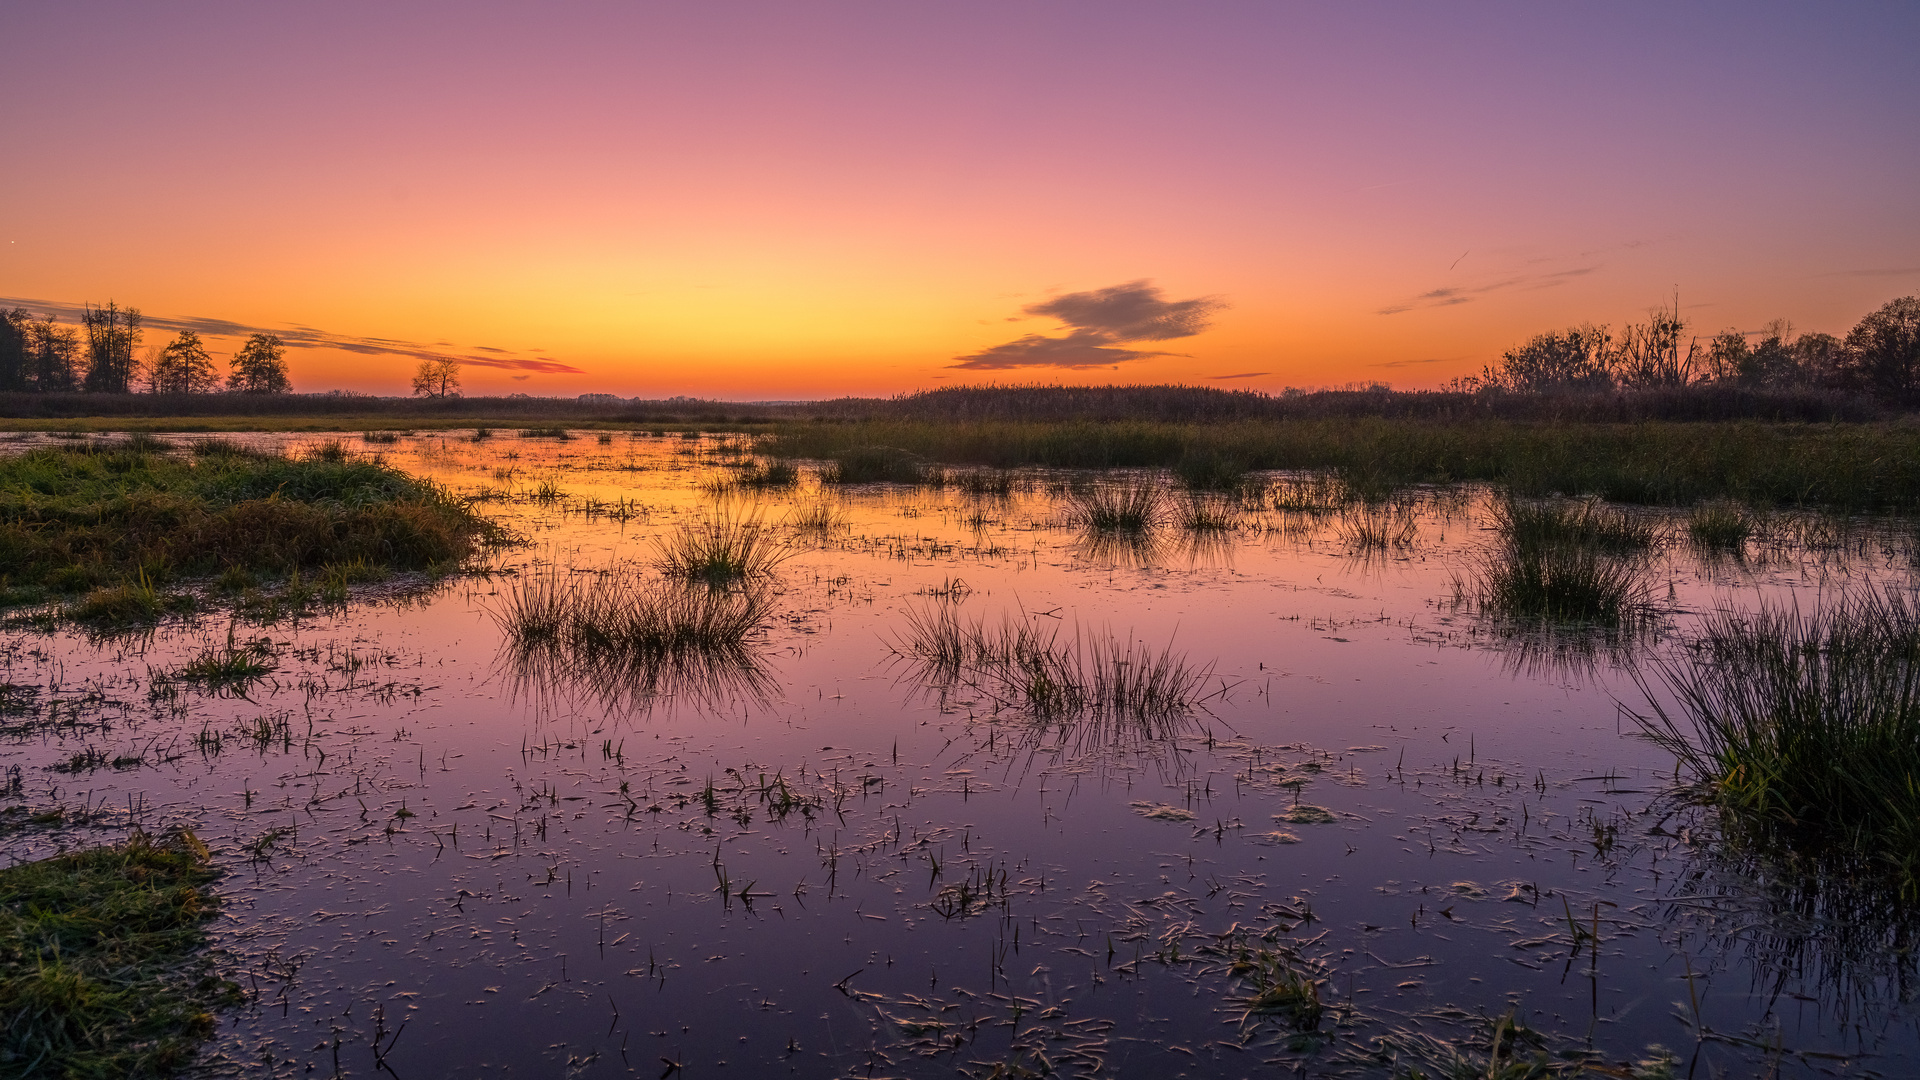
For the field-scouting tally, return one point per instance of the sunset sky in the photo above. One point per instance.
(790, 200)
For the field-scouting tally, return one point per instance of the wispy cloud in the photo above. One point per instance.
(1241, 375)
(1102, 322)
(1414, 363)
(1449, 295)
(1887, 271)
(307, 337)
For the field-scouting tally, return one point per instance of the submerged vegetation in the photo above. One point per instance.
(100, 966)
(108, 527)
(1803, 728)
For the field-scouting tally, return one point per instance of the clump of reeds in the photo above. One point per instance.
(331, 451)
(1586, 523)
(1804, 727)
(768, 474)
(818, 519)
(721, 549)
(558, 434)
(482, 434)
(1564, 563)
(875, 464)
(631, 639)
(1022, 665)
(382, 438)
(1719, 526)
(1560, 584)
(992, 482)
(1378, 526)
(1135, 505)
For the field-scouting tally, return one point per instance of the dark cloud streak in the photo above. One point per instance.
(1102, 322)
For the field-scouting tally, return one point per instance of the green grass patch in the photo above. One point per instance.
(106, 529)
(1803, 728)
(102, 972)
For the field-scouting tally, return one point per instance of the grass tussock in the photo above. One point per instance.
(100, 972)
(817, 520)
(1135, 505)
(1583, 523)
(630, 639)
(721, 550)
(1378, 527)
(1559, 584)
(1803, 728)
(1719, 526)
(1022, 665)
(111, 528)
(557, 434)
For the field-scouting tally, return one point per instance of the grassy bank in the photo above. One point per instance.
(1848, 466)
(100, 972)
(109, 527)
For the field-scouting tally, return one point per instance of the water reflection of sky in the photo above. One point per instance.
(910, 882)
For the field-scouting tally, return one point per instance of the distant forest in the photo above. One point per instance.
(102, 356)
(1645, 371)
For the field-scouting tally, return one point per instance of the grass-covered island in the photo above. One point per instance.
(111, 532)
(102, 969)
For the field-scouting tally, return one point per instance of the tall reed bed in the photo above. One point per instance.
(1803, 727)
(1022, 665)
(1855, 466)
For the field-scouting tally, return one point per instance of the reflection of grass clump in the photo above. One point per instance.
(1805, 728)
(1025, 666)
(1129, 506)
(1199, 513)
(1378, 526)
(1719, 526)
(720, 550)
(117, 525)
(98, 974)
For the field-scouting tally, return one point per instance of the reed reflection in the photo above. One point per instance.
(626, 641)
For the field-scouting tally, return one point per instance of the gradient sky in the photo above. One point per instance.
(801, 200)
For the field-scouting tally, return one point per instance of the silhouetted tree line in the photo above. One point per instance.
(1879, 357)
(101, 356)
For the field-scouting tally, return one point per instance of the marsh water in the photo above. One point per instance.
(441, 862)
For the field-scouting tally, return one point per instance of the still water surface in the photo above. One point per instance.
(441, 865)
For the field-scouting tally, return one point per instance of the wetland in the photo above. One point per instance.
(679, 753)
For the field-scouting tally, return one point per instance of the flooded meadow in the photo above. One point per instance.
(734, 766)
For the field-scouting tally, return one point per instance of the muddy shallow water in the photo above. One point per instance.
(440, 864)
